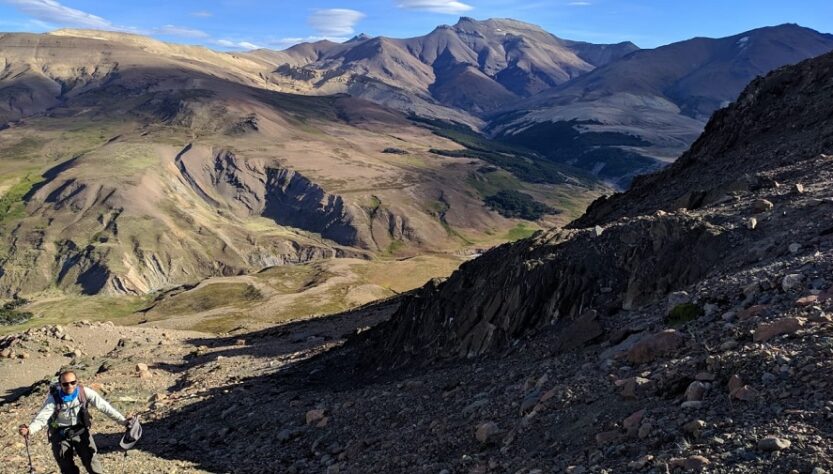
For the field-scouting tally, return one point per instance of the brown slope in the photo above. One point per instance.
(139, 165)
(699, 75)
(42, 70)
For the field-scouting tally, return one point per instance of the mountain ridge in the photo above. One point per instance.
(498, 52)
(662, 95)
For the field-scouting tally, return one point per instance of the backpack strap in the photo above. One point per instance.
(55, 391)
(82, 396)
(86, 419)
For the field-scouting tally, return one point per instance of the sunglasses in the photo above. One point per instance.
(69, 384)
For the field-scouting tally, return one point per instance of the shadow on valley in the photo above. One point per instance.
(241, 423)
(311, 336)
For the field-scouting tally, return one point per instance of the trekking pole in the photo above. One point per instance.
(29, 455)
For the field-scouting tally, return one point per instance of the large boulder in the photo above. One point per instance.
(656, 345)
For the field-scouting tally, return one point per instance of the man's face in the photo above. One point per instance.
(68, 383)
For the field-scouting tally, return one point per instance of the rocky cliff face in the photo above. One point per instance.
(710, 214)
(286, 196)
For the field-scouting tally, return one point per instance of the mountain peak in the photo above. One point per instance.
(497, 23)
(359, 37)
(103, 35)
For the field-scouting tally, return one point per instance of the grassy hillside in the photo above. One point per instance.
(277, 294)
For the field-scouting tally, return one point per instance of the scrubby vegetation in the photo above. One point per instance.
(597, 152)
(11, 203)
(683, 313)
(525, 168)
(9, 315)
(511, 203)
(211, 296)
(252, 294)
(395, 151)
(521, 231)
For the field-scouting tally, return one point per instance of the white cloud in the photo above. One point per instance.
(28, 25)
(181, 31)
(236, 44)
(450, 7)
(53, 12)
(580, 4)
(335, 21)
(202, 14)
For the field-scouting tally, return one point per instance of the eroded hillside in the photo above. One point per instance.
(131, 165)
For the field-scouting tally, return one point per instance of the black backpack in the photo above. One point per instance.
(84, 414)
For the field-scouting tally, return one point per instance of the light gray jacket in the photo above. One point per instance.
(68, 416)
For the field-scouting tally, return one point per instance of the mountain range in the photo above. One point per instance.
(643, 111)
(130, 165)
(611, 109)
(462, 71)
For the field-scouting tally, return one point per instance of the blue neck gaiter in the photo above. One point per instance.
(68, 398)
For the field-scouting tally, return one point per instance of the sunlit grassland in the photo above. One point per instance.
(66, 309)
(274, 295)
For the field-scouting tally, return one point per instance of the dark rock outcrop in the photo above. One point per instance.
(550, 279)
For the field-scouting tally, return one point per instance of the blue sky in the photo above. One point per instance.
(246, 24)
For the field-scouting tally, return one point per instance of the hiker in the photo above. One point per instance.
(66, 414)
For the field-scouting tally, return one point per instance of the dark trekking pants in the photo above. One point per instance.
(80, 443)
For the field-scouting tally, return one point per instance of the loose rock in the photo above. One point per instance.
(761, 205)
(487, 432)
(695, 391)
(767, 331)
(773, 443)
(655, 345)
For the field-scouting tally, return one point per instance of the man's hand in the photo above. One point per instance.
(23, 430)
(128, 420)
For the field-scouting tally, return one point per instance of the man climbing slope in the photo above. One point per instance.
(67, 415)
